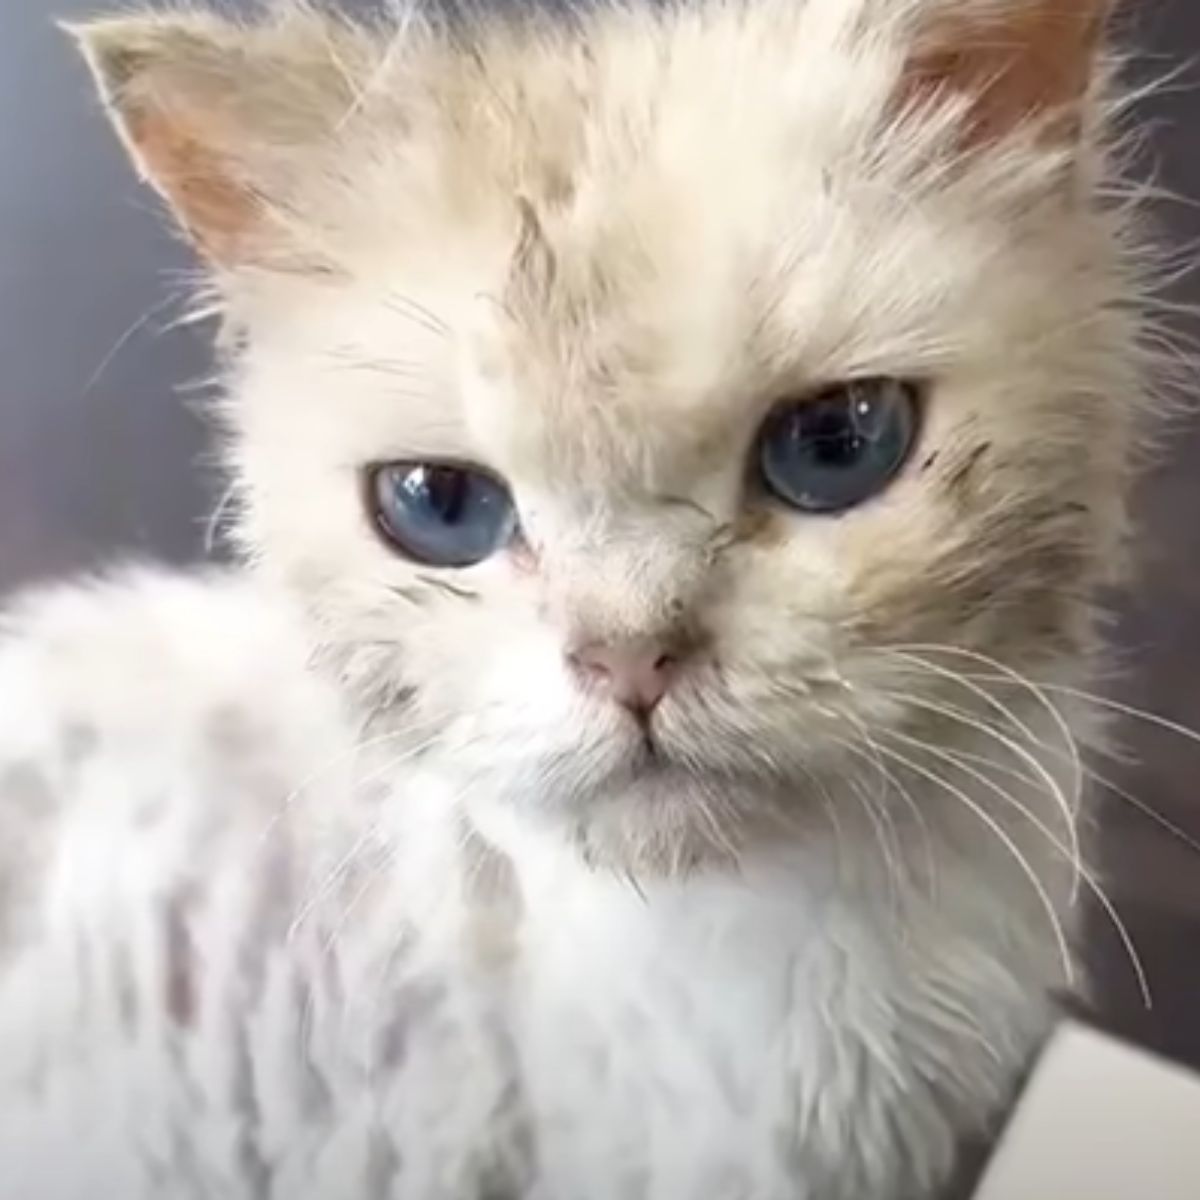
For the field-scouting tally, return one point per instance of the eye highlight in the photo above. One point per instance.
(840, 447)
(441, 515)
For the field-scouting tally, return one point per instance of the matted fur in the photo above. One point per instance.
(323, 878)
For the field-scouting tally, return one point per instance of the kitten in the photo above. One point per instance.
(678, 448)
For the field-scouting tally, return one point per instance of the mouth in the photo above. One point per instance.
(656, 755)
(657, 758)
(649, 758)
(653, 760)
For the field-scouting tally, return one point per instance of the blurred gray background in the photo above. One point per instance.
(101, 449)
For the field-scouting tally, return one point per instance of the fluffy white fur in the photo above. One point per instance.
(324, 878)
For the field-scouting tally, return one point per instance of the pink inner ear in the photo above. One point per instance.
(218, 212)
(1035, 61)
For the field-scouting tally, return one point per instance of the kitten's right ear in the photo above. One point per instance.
(221, 118)
(1016, 62)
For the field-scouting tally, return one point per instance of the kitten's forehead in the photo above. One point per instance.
(631, 428)
(640, 239)
(672, 210)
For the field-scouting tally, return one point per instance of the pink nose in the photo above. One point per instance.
(636, 674)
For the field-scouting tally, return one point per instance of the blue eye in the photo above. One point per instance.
(442, 516)
(840, 447)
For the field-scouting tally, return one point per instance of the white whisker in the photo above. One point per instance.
(336, 760)
(1019, 680)
(333, 877)
(1140, 714)
(1009, 844)
(1146, 810)
(885, 836)
(131, 332)
(1128, 710)
(1103, 781)
(894, 782)
(830, 808)
(950, 712)
(951, 757)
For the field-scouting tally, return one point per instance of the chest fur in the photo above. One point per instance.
(765, 1037)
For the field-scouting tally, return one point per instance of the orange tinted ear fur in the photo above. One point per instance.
(1016, 60)
(215, 113)
(210, 113)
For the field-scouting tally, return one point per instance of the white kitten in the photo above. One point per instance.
(678, 448)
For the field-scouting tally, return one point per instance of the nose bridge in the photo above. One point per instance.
(632, 580)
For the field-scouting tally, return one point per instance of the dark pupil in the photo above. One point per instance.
(443, 489)
(833, 434)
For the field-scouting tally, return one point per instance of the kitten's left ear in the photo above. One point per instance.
(223, 119)
(1015, 61)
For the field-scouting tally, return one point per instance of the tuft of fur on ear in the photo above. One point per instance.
(1015, 62)
(215, 115)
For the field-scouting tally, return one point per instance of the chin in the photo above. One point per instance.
(656, 811)
(705, 786)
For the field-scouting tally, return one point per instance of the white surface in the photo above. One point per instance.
(1101, 1121)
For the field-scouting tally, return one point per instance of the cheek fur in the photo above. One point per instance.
(995, 557)
(494, 675)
